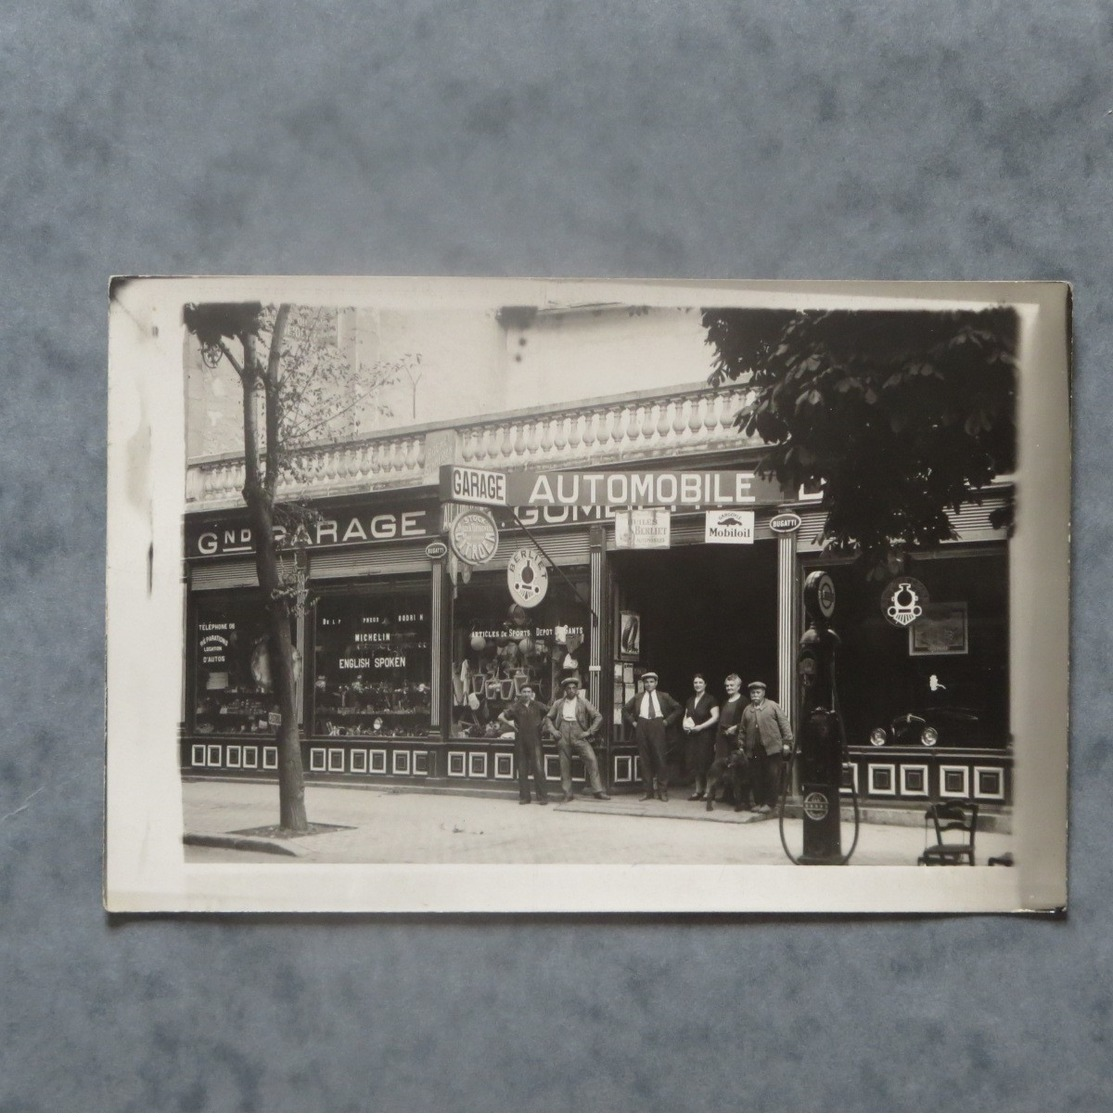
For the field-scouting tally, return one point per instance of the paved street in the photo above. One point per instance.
(394, 825)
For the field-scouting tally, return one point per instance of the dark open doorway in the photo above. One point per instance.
(708, 608)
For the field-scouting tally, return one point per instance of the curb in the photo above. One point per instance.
(632, 809)
(241, 842)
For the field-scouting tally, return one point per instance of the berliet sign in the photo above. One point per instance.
(643, 488)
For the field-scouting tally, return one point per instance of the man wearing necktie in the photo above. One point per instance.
(652, 713)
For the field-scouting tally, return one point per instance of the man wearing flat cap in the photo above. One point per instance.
(765, 734)
(652, 714)
(575, 721)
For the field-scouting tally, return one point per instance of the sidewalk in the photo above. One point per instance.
(412, 826)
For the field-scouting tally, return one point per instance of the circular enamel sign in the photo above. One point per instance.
(527, 576)
(819, 594)
(816, 805)
(474, 536)
(903, 601)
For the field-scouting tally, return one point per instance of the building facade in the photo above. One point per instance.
(633, 498)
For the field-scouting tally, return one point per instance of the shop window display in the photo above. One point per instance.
(942, 681)
(234, 691)
(499, 646)
(372, 665)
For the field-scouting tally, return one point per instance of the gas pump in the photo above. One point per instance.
(820, 743)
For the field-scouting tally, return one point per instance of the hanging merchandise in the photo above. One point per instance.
(527, 576)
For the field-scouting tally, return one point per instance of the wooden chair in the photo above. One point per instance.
(956, 825)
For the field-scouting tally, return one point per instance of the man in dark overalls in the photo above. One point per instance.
(527, 717)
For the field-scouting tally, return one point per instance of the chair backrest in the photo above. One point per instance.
(954, 815)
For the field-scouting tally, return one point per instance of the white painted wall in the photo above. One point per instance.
(472, 365)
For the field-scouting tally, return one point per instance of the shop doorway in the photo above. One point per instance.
(705, 607)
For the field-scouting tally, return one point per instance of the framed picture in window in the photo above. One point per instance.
(942, 630)
(629, 635)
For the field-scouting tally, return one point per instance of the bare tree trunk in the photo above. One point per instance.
(259, 495)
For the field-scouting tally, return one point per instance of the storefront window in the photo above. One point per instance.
(372, 664)
(949, 669)
(499, 646)
(234, 692)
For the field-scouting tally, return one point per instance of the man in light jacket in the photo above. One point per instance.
(765, 734)
(575, 721)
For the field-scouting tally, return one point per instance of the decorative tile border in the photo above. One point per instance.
(477, 765)
(233, 756)
(421, 762)
(357, 761)
(849, 786)
(504, 765)
(623, 769)
(318, 760)
(400, 762)
(336, 760)
(376, 762)
(458, 764)
(914, 780)
(882, 779)
(251, 756)
(212, 755)
(954, 781)
(270, 757)
(989, 782)
(197, 756)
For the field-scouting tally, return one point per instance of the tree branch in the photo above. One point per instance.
(271, 382)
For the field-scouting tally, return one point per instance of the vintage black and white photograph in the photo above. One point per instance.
(560, 595)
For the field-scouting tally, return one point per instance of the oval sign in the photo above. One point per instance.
(436, 550)
(785, 523)
(816, 805)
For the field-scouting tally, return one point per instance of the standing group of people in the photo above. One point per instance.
(736, 744)
(733, 743)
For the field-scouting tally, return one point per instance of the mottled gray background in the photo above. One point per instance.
(696, 139)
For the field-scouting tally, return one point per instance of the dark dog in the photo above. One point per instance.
(733, 774)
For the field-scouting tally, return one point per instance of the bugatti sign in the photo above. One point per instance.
(785, 523)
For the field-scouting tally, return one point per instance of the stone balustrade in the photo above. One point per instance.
(596, 433)
(606, 432)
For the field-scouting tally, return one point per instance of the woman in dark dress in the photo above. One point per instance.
(701, 716)
(729, 766)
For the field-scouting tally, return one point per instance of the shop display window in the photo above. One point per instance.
(941, 681)
(372, 664)
(499, 646)
(233, 690)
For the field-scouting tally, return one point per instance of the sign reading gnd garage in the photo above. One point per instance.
(339, 526)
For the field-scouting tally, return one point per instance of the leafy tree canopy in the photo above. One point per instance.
(895, 416)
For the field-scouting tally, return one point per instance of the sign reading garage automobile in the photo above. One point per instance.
(343, 525)
(648, 488)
